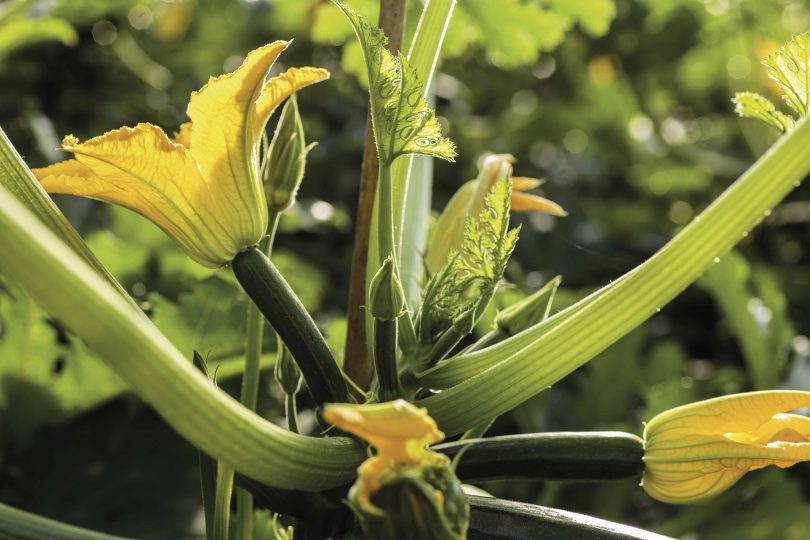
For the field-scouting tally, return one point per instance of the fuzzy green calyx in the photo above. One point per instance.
(286, 159)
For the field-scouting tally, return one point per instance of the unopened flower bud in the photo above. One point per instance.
(286, 159)
(386, 297)
(528, 311)
(286, 372)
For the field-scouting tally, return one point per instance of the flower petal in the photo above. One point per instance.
(184, 135)
(141, 169)
(280, 88)
(397, 429)
(524, 183)
(223, 138)
(526, 202)
(734, 413)
(694, 452)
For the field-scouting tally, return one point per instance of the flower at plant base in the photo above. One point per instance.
(405, 490)
(469, 200)
(202, 188)
(697, 451)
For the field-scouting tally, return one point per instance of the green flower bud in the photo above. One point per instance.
(286, 372)
(386, 297)
(286, 159)
(528, 311)
(464, 323)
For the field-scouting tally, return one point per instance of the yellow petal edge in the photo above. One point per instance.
(694, 452)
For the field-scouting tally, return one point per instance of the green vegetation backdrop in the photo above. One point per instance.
(623, 107)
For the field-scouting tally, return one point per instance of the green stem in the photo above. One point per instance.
(384, 351)
(65, 286)
(386, 213)
(20, 525)
(292, 414)
(222, 502)
(588, 328)
(250, 383)
(385, 358)
(285, 313)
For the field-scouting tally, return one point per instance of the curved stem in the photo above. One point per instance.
(490, 516)
(21, 525)
(71, 291)
(385, 359)
(292, 415)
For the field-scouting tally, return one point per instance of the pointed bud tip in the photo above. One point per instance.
(387, 298)
(69, 141)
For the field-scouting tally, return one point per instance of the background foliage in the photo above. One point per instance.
(622, 106)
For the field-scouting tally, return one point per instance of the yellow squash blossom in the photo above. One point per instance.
(697, 451)
(469, 200)
(398, 430)
(202, 188)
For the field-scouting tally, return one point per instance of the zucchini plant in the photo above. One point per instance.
(375, 470)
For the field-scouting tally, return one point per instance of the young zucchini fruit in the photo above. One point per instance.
(604, 455)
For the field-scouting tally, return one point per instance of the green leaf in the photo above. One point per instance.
(789, 68)
(122, 258)
(753, 105)
(210, 318)
(593, 15)
(44, 381)
(21, 32)
(514, 32)
(467, 282)
(403, 123)
(761, 328)
(19, 525)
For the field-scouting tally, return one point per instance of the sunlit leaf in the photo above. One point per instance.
(403, 123)
(752, 105)
(593, 15)
(789, 68)
(514, 32)
(21, 32)
(467, 282)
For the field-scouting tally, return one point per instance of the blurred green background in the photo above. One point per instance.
(623, 107)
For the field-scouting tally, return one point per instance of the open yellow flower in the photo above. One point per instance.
(469, 200)
(398, 430)
(697, 451)
(202, 188)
